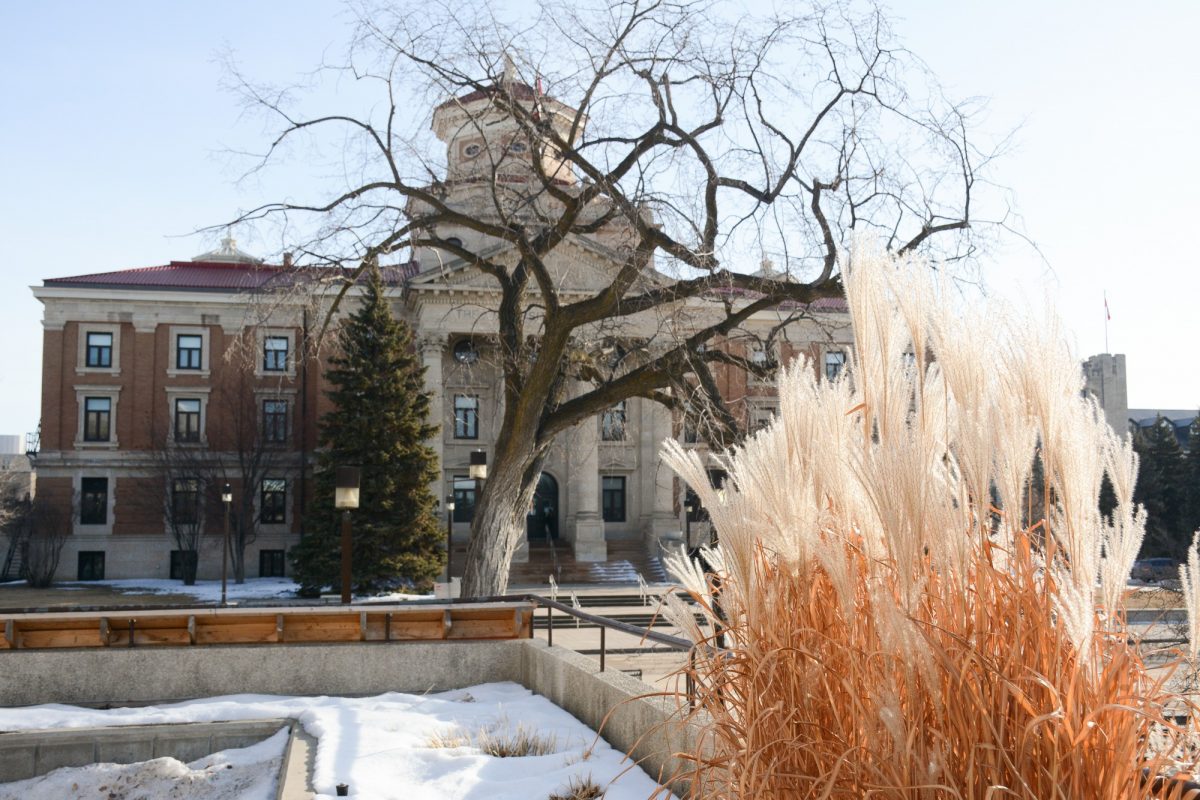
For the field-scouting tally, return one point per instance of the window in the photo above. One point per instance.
(761, 418)
(275, 354)
(454, 241)
(91, 565)
(185, 501)
(517, 147)
(97, 419)
(690, 434)
(466, 416)
(761, 358)
(465, 352)
(270, 563)
(275, 413)
(187, 420)
(835, 362)
(99, 349)
(612, 425)
(717, 478)
(187, 351)
(698, 513)
(613, 498)
(183, 564)
(472, 150)
(273, 509)
(93, 501)
(464, 499)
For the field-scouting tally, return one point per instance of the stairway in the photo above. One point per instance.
(627, 559)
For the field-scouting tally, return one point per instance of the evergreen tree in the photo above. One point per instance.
(380, 423)
(1193, 476)
(1162, 489)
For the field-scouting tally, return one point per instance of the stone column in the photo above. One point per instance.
(658, 519)
(433, 349)
(584, 488)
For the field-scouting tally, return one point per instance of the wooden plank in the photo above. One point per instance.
(416, 630)
(362, 626)
(79, 637)
(482, 629)
(447, 624)
(279, 627)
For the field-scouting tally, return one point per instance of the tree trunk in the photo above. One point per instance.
(499, 522)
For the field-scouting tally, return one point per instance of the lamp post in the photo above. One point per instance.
(449, 534)
(226, 498)
(687, 526)
(345, 498)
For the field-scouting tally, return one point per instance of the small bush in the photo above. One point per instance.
(579, 788)
(498, 743)
(515, 743)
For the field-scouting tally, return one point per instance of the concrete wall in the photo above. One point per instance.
(615, 704)
(136, 675)
(27, 754)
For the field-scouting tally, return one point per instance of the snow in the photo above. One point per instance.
(384, 746)
(248, 773)
(210, 591)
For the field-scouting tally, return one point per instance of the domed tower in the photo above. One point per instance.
(483, 139)
(487, 149)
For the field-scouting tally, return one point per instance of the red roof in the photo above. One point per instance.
(212, 275)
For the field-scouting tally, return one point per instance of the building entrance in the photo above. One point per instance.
(541, 523)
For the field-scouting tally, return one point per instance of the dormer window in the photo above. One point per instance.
(472, 150)
(517, 147)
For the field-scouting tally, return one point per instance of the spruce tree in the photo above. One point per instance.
(1193, 476)
(380, 422)
(1161, 488)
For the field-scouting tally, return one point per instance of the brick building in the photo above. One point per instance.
(203, 357)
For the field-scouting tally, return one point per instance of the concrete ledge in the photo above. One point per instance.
(27, 754)
(133, 675)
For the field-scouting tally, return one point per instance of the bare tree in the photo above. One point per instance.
(678, 140)
(42, 528)
(247, 453)
(180, 479)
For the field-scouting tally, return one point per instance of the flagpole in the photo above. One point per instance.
(1107, 317)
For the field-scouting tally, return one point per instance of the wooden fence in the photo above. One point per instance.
(188, 627)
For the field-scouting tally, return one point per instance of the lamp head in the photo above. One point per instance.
(345, 495)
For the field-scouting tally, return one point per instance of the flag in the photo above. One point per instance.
(1107, 313)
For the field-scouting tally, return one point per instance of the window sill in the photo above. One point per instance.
(81, 444)
(97, 371)
(275, 373)
(181, 373)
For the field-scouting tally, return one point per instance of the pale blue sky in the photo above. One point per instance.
(114, 121)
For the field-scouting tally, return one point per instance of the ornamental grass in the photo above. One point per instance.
(916, 592)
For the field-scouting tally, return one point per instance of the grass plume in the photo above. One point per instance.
(907, 612)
